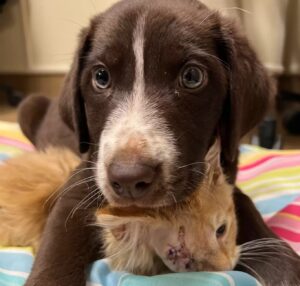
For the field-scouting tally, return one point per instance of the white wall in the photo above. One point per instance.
(39, 36)
(12, 50)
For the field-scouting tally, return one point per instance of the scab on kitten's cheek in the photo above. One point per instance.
(180, 256)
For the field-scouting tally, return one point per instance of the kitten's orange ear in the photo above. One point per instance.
(119, 226)
(115, 224)
(214, 170)
(213, 156)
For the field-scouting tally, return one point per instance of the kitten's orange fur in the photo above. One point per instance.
(26, 183)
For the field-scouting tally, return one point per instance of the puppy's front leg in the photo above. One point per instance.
(69, 242)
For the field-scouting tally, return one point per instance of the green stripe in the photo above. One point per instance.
(10, 280)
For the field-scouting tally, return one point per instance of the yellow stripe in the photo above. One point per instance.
(13, 135)
(256, 195)
(291, 216)
(26, 249)
(10, 149)
(282, 172)
(12, 131)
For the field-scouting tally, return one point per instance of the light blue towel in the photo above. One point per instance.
(15, 264)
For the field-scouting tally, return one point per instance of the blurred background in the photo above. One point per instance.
(38, 38)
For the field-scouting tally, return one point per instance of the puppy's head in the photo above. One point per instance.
(152, 84)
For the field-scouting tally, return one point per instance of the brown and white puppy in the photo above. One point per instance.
(151, 86)
(198, 234)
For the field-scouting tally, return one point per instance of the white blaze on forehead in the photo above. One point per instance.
(136, 117)
(138, 49)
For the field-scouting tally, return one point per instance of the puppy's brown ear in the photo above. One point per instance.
(71, 104)
(250, 88)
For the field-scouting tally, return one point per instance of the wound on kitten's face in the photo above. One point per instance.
(198, 234)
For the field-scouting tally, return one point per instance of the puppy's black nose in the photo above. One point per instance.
(131, 180)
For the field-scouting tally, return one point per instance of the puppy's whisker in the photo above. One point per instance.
(91, 162)
(83, 181)
(89, 143)
(91, 202)
(198, 172)
(78, 206)
(85, 200)
(55, 195)
(208, 16)
(94, 200)
(171, 194)
(254, 272)
(255, 259)
(264, 243)
(236, 9)
(73, 22)
(192, 164)
(265, 253)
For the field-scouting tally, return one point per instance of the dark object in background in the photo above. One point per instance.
(14, 97)
(292, 123)
(267, 135)
(288, 104)
(267, 132)
(2, 3)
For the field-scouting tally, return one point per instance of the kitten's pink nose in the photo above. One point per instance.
(132, 180)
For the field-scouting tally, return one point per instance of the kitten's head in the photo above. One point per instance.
(198, 234)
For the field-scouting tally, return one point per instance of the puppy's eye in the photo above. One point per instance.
(101, 78)
(221, 231)
(192, 77)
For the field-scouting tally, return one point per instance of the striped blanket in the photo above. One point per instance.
(271, 178)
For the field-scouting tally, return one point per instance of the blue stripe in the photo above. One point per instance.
(272, 205)
(16, 261)
(243, 279)
(3, 156)
(189, 279)
(100, 273)
(8, 280)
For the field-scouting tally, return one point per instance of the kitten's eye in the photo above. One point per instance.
(221, 230)
(101, 78)
(192, 77)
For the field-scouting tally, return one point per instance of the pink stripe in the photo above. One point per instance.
(258, 162)
(16, 143)
(284, 222)
(270, 165)
(292, 209)
(286, 234)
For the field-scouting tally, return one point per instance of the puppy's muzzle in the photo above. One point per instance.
(134, 179)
